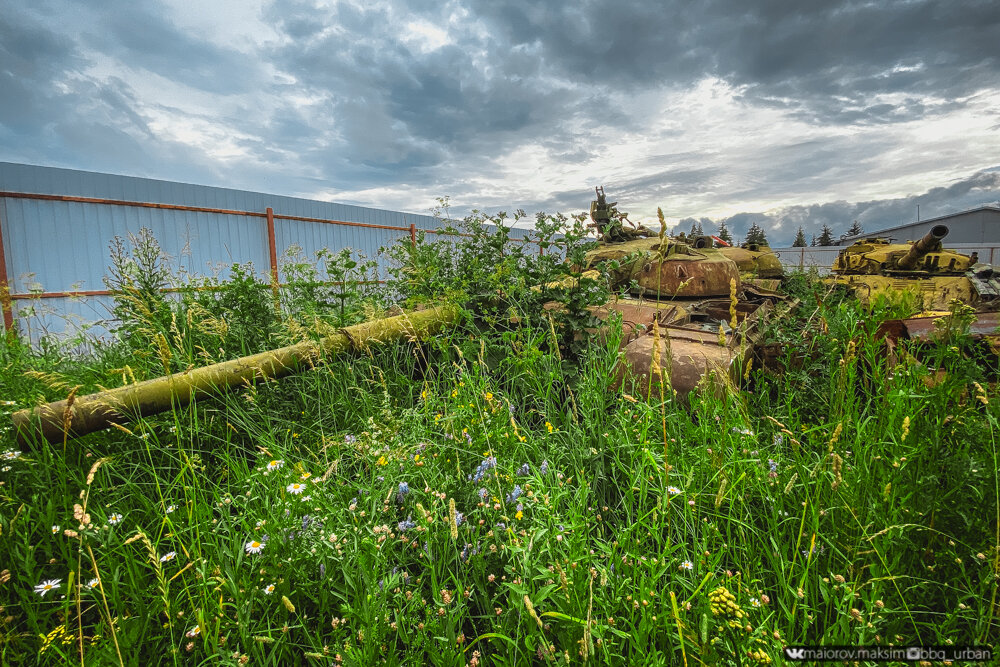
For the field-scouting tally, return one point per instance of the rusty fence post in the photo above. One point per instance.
(273, 250)
(8, 311)
(413, 234)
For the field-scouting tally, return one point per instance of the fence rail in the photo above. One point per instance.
(272, 235)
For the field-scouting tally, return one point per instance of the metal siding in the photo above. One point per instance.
(65, 245)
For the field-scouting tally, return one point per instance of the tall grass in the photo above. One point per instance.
(481, 498)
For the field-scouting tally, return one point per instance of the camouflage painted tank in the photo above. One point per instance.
(874, 266)
(756, 262)
(686, 305)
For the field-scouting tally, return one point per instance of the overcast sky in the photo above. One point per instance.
(785, 113)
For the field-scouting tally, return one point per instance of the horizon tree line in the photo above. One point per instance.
(757, 234)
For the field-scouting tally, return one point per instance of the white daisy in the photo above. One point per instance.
(254, 547)
(5, 469)
(171, 509)
(115, 519)
(673, 490)
(167, 557)
(10, 455)
(56, 529)
(295, 488)
(687, 565)
(194, 632)
(275, 465)
(268, 589)
(755, 602)
(46, 586)
(306, 498)
(90, 585)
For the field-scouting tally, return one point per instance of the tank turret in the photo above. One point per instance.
(879, 256)
(875, 266)
(668, 268)
(755, 260)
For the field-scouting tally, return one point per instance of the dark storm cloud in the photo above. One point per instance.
(397, 107)
(138, 35)
(54, 112)
(824, 61)
(781, 225)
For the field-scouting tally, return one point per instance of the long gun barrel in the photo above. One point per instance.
(929, 243)
(87, 414)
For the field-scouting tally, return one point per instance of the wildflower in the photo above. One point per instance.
(56, 529)
(402, 492)
(193, 632)
(544, 468)
(254, 547)
(171, 509)
(459, 518)
(350, 439)
(483, 493)
(514, 495)
(742, 431)
(524, 470)
(275, 464)
(268, 589)
(673, 490)
(519, 515)
(115, 519)
(167, 557)
(91, 584)
(46, 586)
(687, 565)
(487, 464)
(548, 427)
(778, 439)
(754, 602)
(406, 525)
(295, 488)
(10, 455)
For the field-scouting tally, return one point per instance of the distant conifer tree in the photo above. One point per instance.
(724, 233)
(856, 229)
(756, 235)
(800, 239)
(825, 236)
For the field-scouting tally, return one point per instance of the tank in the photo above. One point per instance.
(755, 261)
(684, 306)
(875, 265)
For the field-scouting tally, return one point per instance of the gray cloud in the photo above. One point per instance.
(352, 97)
(781, 225)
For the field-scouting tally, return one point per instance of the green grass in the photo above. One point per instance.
(845, 501)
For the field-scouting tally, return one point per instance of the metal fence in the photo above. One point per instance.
(56, 226)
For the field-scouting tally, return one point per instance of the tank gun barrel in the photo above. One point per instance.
(929, 243)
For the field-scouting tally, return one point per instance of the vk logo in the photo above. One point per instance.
(795, 653)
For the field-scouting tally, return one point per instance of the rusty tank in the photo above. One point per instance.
(688, 317)
(757, 263)
(874, 266)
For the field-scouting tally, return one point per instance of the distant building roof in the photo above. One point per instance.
(847, 240)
